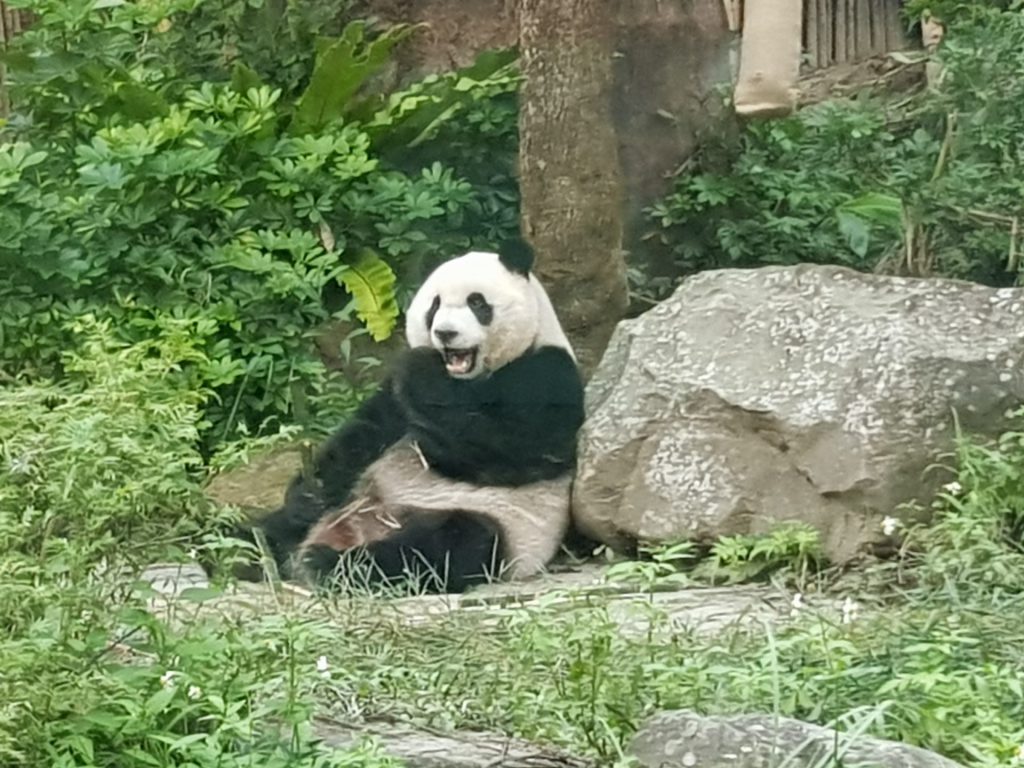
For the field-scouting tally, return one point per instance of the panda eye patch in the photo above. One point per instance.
(434, 306)
(483, 311)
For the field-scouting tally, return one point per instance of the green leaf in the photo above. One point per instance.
(856, 217)
(372, 285)
(876, 208)
(856, 231)
(142, 757)
(342, 66)
(138, 102)
(103, 719)
(413, 116)
(244, 78)
(158, 701)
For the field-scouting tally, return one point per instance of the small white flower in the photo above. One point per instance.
(194, 692)
(952, 488)
(1020, 753)
(167, 678)
(798, 603)
(889, 525)
(850, 609)
(323, 667)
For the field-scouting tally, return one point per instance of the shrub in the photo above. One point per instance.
(927, 186)
(105, 461)
(99, 475)
(975, 544)
(251, 213)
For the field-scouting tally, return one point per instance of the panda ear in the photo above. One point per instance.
(516, 255)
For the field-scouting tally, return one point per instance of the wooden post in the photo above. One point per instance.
(770, 58)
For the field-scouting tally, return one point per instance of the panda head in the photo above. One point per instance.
(483, 310)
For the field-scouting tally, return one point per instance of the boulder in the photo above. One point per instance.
(808, 393)
(687, 740)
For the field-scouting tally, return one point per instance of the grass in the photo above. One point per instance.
(93, 673)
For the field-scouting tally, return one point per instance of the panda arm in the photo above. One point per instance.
(376, 425)
(513, 427)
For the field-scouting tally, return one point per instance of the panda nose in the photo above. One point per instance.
(446, 337)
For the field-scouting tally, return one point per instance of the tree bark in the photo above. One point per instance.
(570, 179)
(669, 58)
(12, 22)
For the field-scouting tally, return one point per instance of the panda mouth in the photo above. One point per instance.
(459, 362)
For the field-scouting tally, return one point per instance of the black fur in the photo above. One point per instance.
(376, 426)
(517, 256)
(432, 312)
(449, 553)
(481, 308)
(515, 426)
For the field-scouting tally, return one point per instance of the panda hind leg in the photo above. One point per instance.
(432, 553)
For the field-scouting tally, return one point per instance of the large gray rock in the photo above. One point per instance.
(687, 740)
(806, 393)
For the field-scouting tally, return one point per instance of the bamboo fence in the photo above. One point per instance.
(848, 31)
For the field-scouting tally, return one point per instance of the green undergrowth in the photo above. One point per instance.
(918, 183)
(99, 476)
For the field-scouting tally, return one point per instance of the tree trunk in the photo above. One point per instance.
(570, 178)
(12, 21)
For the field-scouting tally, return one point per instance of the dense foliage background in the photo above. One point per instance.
(159, 170)
(926, 184)
(247, 168)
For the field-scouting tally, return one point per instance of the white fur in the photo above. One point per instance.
(523, 315)
(533, 518)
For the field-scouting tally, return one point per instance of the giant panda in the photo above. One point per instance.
(458, 470)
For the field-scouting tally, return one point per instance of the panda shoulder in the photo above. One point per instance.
(547, 368)
(552, 356)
